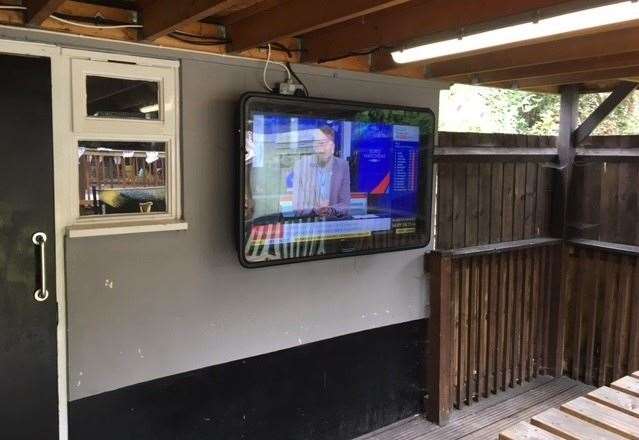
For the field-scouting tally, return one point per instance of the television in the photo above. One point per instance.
(322, 178)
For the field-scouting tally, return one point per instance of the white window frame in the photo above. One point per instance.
(79, 127)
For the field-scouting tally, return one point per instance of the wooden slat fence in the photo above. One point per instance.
(482, 200)
(603, 198)
(602, 326)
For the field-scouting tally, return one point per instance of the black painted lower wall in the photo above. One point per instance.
(334, 389)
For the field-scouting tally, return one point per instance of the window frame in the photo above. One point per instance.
(81, 127)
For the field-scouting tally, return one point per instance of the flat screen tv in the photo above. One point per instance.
(322, 178)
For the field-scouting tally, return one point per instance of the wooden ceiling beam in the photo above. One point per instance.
(418, 20)
(571, 78)
(297, 17)
(164, 16)
(605, 43)
(562, 67)
(39, 10)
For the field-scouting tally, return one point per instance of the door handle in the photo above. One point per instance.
(40, 239)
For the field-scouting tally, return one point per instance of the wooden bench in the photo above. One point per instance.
(607, 413)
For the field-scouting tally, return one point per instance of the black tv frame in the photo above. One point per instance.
(241, 175)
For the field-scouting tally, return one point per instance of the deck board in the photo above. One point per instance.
(487, 418)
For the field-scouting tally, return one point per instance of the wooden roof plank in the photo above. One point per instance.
(417, 20)
(603, 416)
(526, 431)
(164, 16)
(40, 10)
(628, 385)
(570, 427)
(593, 64)
(611, 42)
(615, 399)
(297, 17)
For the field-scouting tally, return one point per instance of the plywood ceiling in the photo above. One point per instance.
(359, 35)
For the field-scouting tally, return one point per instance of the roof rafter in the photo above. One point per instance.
(571, 78)
(297, 17)
(164, 16)
(606, 43)
(40, 10)
(561, 67)
(418, 20)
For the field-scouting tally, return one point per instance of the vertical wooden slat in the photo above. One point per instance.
(609, 196)
(444, 205)
(497, 183)
(608, 304)
(510, 309)
(440, 338)
(484, 209)
(628, 209)
(534, 304)
(459, 206)
(502, 324)
(525, 316)
(517, 318)
(622, 321)
(508, 204)
(633, 354)
(473, 340)
(557, 327)
(483, 327)
(530, 200)
(577, 325)
(462, 369)
(493, 340)
(590, 310)
(455, 303)
(472, 203)
(519, 201)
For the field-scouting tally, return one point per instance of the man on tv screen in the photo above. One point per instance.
(322, 181)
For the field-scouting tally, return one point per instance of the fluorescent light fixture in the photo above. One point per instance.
(150, 108)
(545, 27)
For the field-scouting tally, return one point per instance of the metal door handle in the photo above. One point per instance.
(40, 239)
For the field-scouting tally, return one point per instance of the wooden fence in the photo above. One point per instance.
(603, 203)
(602, 326)
(508, 302)
(491, 307)
(492, 188)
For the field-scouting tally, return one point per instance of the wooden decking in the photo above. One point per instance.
(486, 419)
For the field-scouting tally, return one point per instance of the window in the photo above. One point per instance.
(124, 140)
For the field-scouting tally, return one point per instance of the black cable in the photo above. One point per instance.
(200, 37)
(355, 54)
(199, 42)
(297, 78)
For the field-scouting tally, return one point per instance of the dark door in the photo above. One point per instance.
(28, 344)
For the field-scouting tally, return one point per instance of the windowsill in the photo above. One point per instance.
(97, 230)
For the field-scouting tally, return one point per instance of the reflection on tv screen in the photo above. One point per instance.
(326, 185)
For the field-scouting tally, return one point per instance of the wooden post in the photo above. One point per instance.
(561, 186)
(438, 402)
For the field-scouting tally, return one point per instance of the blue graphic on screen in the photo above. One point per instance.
(382, 162)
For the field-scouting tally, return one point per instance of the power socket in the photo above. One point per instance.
(290, 88)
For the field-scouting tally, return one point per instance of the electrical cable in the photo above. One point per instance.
(354, 54)
(94, 26)
(268, 61)
(212, 42)
(13, 8)
(297, 78)
(200, 37)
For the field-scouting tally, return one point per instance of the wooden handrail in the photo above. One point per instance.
(616, 248)
(497, 248)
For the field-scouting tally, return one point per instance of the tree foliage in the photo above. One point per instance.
(513, 111)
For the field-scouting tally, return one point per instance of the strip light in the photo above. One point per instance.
(546, 27)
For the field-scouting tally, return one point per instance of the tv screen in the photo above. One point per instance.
(322, 178)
